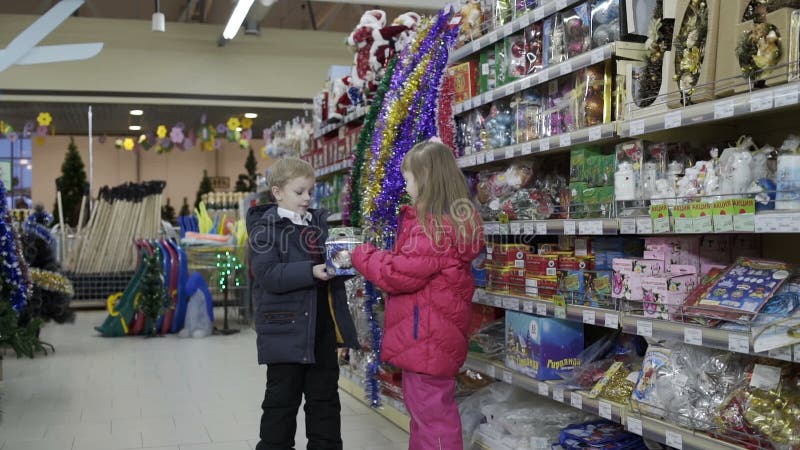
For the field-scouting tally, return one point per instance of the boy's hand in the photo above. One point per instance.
(320, 272)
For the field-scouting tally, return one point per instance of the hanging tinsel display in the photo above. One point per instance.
(352, 205)
(408, 115)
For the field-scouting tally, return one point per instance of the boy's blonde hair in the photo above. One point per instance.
(287, 169)
(441, 191)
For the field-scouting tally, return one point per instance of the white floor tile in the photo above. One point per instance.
(161, 394)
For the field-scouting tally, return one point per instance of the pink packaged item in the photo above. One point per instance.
(638, 265)
(627, 285)
(662, 292)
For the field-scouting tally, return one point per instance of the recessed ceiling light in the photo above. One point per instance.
(238, 128)
(29, 166)
(134, 127)
(251, 115)
(23, 162)
(136, 112)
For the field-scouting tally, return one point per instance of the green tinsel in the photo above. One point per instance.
(364, 145)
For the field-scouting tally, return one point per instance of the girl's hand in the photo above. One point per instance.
(320, 272)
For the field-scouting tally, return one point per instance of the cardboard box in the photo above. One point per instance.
(541, 347)
(639, 265)
(539, 286)
(507, 255)
(662, 294)
(543, 265)
(731, 77)
(575, 262)
(570, 281)
(487, 76)
(627, 285)
(578, 158)
(703, 89)
(465, 80)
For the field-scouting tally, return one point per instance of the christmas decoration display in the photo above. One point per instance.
(72, 184)
(153, 297)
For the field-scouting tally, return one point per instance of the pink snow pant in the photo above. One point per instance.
(435, 422)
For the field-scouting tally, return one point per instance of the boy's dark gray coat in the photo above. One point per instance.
(285, 290)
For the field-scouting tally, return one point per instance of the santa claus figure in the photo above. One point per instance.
(362, 40)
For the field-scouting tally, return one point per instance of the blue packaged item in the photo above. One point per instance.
(542, 347)
(600, 434)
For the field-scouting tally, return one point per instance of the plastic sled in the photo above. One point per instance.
(121, 307)
(183, 297)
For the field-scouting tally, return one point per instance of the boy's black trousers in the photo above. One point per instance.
(288, 383)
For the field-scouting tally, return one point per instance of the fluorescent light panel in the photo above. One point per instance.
(136, 112)
(251, 115)
(237, 17)
(134, 127)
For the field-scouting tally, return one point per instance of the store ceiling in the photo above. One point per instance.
(293, 14)
(113, 119)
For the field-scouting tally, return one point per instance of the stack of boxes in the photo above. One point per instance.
(579, 269)
(591, 182)
(670, 269)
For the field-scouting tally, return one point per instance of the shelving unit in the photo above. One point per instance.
(547, 8)
(392, 409)
(647, 427)
(352, 117)
(736, 341)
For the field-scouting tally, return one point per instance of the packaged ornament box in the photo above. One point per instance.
(542, 347)
(338, 250)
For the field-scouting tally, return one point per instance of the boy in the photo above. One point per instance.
(301, 313)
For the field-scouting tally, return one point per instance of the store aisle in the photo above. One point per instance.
(165, 393)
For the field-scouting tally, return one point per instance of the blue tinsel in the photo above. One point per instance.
(10, 265)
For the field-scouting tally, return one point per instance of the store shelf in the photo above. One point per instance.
(581, 227)
(339, 167)
(532, 16)
(660, 330)
(567, 67)
(393, 410)
(644, 122)
(354, 116)
(647, 427)
(585, 314)
(592, 134)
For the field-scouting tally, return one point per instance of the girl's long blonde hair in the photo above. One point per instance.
(442, 195)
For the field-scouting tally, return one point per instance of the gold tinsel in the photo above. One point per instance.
(51, 281)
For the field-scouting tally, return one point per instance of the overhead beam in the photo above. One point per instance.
(427, 5)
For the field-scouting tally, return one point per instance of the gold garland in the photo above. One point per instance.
(51, 281)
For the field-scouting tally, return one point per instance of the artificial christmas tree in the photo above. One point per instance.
(168, 213)
(205, 188)
(247, 182)
(185, 211)
(72, 184)
(153, 299)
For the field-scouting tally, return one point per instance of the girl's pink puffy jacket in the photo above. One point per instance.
(429, 289)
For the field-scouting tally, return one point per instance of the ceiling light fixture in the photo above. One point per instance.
(134, 127)
(29, 166)
(23, 162)
(238, 128)
(237, 17)
(251, 115)
(159, 21)
(136, 112)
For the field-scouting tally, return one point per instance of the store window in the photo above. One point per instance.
(16, 171)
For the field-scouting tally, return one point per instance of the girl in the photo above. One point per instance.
(428, 279)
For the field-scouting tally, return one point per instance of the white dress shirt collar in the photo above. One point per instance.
(296, 219)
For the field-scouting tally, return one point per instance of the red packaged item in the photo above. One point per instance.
(507, 255)
(465, 80)
(539, 286)
(543, 265)
(575, 263)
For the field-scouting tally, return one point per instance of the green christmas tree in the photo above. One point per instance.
(205, 188)
(185, 211)
(168, 213)
(247, 182)
(153, 295)
(72, 184)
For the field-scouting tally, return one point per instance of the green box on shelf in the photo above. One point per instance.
(660, 216)
(722, 212)
(744, 214)
(487, 77)
(500, 62)
(599, 170)
(598, 200)
(578, 157)
(682, 217)
(702, 213)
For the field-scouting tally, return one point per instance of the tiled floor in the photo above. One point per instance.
(160, 393)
